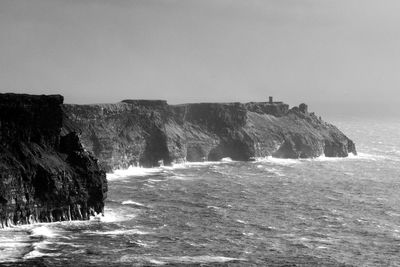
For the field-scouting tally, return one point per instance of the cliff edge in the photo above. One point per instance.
(145, 132)
(44, 175)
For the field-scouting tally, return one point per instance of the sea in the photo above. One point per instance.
(268, 212)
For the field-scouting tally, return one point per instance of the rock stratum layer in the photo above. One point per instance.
(45, 174)
(143, 132)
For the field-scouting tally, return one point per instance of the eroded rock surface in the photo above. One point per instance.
(143, 132)
(44, 175)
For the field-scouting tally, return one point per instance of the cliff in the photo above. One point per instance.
(44, 175)
(143, 132)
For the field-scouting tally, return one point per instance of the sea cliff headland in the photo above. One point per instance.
(147, 132)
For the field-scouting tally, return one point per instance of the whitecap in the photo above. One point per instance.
(279, 161)
(322, 158)
(140, 171)
(43, 231)
(179, 260)
(154, 181)
(132, 171)
(197, 259)
(131, 202)
(140, 243)
(38, 254)
(189, 164)
(156, 262)
(248, 234)
(275, 171)
(176, 177)
(119, 232)
(325, 158)
(13, 244)
(111, 216)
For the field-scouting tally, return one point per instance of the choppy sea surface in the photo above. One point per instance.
(270, 212)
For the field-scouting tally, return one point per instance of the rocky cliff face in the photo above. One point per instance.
(44, 175)
(140, 132)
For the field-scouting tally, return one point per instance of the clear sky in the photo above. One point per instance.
(339, 56)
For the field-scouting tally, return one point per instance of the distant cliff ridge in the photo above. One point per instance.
(45, 175)
(143, 132)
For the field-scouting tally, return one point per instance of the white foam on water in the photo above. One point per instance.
(156, 262)
(142, 244)
(197, 259)
(43, 231)
(70, 244)
(330, 159)
(119, 232)
(132, 171)
(351, 156)
(179, 260)
(112, 216)
(45, 235)
(155, 181)
(37, 247)
(322, 158)
(13, 244)
(176, 177)
(278, 161)
(134, 258)
(189, 164)
(4, 244)
(175, 166)
(37, 254)
(213, 207)
(275, 171)
(372, 157)
(131, 202)
(248, 234)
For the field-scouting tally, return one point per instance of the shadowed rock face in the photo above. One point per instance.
(44, 175)
(143, 132)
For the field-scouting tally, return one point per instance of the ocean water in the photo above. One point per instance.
(270, 212)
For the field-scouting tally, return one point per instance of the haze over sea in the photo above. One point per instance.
(270, 212)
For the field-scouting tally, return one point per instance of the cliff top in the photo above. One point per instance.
(7, 98)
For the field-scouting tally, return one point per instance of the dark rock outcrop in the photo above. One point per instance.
(44, 175)
(143, 132)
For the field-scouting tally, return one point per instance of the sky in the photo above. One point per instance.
(339, 56)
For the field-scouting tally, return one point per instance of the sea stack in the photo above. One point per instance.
(45, 174)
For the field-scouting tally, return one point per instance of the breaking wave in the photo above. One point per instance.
(351, 156)
(131, 202)
(132, 171)
(182, 259)
(121, 174)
